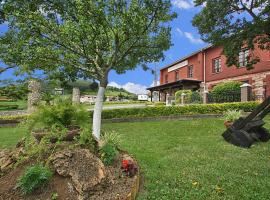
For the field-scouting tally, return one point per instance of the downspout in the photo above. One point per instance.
(204, 70)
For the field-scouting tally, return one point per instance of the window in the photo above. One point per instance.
(166, 78)
(243, 57)
(176, 75)
(190, 71)
(217, 65)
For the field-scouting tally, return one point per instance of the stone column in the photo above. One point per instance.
(205, 96)
(76, 95)
(245, 92)
(183, 98)
(34, 95)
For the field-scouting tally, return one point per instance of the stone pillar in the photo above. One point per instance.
(34, 95)
(183, 98)
(205, 96)
(245, 92)
(76, 95)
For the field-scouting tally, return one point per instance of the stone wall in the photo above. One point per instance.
(258, 81)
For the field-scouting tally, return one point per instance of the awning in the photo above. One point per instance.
(177, 84)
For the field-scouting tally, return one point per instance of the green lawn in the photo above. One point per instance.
(189, 160)
(21, 103)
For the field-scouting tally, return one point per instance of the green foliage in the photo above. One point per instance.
(108, 153)
(196, 97)
(86, 139)
(111, 137)
(13, 117)
(61, 114)
(187, 97)
(8, 107)
(54, 196)
(232, 115)
(226, 92)
(15, 90)
(159, 104)
(117, 35)
(33, 178)
(221, 22)
(109, 143)
(178, 110)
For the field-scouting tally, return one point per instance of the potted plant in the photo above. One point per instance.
(231, 116)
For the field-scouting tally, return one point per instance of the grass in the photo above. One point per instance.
(10, 136)
(21, 103)
(189, 160)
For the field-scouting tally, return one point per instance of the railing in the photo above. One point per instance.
(224, 97)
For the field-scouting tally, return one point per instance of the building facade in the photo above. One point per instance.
(204, 69)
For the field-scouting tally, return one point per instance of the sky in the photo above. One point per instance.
(185, 40)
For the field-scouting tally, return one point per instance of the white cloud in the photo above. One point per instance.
(183, 4)
(189, 36)
(192, 39)
(130, 87)
(153, 84)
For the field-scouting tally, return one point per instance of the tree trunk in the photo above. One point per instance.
(97, 112)
(76, 95)
(34, 95)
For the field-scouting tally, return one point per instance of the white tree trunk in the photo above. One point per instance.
(97, 112)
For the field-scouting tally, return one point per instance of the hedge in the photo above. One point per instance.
(8, 107)
(177, 110)
(167, 110)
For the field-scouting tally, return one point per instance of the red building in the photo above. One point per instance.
(207, 67)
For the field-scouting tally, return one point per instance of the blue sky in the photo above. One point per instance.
(185, 39)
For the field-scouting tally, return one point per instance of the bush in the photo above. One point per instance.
(33, 178)
(157, 104)
(187, 97)
(196, 97)
(61, 114)
(226, 92)
(178, 110)
(232, 115)
(109, 143)
(108, 153)
(8, 107)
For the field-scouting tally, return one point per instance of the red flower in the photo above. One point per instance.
(125, 164)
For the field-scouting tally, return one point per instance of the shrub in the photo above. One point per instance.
(157, 104)
(232, 115)
(61, 114)
(13, 117)
(8, 107)
(86, 139)
(196, 97)
(33, 178)
(108, 153)
(186, 98)
(178, 110)
(226, 92)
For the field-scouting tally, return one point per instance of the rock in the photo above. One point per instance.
(5, 159)
(8, 158)
(84, 168)
(21, 143)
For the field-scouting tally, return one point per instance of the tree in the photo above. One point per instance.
(89, 38)
(14, 89)
(235, 24)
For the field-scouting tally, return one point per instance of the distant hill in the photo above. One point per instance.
(90, 87)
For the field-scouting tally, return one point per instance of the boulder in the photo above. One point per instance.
(84, 168)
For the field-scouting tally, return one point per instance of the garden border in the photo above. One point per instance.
(160, 118)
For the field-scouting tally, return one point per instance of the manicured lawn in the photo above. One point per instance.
(10, 136)
(22, 104)
(189, 160)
